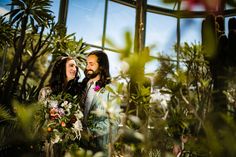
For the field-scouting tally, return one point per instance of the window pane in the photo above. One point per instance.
(151, 67)
(120, 18)
(161, 32)
(55, 9)
(85, 18)
(190, 30)
(115, 63)
(229, 6)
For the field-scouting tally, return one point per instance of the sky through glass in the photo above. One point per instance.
(86, 17)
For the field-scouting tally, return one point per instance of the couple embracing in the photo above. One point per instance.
(97, 125)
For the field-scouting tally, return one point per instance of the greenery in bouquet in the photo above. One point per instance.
(62, 119)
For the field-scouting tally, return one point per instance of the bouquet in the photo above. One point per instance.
(62, 119)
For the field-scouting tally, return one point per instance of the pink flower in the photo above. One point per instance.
(208, 5)
(53, 113)
(97, 88)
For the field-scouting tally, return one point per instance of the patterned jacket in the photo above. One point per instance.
(102, 118)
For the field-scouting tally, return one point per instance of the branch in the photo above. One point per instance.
(190, 106)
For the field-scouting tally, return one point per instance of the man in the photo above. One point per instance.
(96, 116)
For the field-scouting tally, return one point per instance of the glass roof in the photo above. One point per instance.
(86, 20)
(162, 4)
(188, 9)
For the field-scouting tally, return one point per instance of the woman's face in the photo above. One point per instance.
(70, 69)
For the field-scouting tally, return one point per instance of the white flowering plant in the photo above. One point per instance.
(62, 119)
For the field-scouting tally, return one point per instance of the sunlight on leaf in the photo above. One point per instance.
(5, 115)
(26, 114)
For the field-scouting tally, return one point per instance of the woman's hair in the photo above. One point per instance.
(57, 81)
(103, 63)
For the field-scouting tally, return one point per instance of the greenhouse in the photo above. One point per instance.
(117, 78)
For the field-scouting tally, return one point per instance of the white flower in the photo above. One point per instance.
(61, 111)
(77, 127)
(64, 103)
(67, 112)
(163, 104)
(159, 97)
(58, 113)
(56, 138)
(53, 103)
(79, 115)
(70, 105)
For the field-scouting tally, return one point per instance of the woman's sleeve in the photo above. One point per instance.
(44, 93)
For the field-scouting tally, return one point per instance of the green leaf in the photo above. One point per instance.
(5, 115)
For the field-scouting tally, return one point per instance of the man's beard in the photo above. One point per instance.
(91, 75)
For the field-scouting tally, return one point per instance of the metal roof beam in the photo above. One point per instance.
(175, 13)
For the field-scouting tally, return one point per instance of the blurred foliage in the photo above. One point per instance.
(5, 33)
(182, 113)
(135, 61)
(135, 121)
(191, 121)
(189, 90)
(21, 130)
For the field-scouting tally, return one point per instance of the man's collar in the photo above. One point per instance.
(91, 82)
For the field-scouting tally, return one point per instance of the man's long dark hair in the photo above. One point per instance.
(103, 62)
(58, 77)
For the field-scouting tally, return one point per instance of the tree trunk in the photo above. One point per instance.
(15, 70)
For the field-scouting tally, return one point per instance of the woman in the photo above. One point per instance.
(63, 77)
(61, 91)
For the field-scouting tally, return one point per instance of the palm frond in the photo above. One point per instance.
(5, 115)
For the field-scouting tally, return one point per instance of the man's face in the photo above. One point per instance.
(92, 68)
